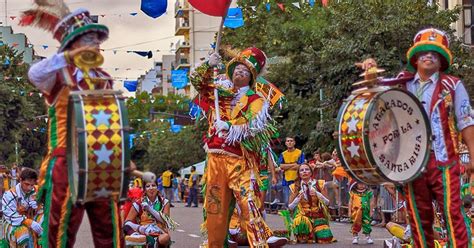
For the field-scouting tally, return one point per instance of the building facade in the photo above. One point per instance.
(198, 31)
(19, 42)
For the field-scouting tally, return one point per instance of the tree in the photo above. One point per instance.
(156, 146)
(19, 104)
(325, 43)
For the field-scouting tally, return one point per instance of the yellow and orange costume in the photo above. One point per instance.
(232, 174)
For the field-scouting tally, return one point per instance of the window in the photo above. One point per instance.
(467, 21)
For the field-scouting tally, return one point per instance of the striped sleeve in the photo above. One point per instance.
(9, 208)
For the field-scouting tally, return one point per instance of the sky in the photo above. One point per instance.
(137, 33)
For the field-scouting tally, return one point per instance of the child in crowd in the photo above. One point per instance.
(360, 211)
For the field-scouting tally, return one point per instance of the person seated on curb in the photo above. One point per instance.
(148, 220)
(20, 211)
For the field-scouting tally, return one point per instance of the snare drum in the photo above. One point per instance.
(384, 135)
(98, 146)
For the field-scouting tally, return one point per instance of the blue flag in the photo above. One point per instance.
(179, 78)
(130, 85)
(154, 8)
(234, 19)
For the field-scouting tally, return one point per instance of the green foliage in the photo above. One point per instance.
(156, 147)
(18, 107)
(316, 48)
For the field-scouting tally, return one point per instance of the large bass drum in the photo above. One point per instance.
(384, 136)
(98, 145)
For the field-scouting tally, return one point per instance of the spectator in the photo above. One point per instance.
(289, 163)
(166, 179)
(182, 187)
(193, 188)
(326, 168)
(159, 183)
(175, 185)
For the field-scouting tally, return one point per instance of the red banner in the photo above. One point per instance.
(211, 7)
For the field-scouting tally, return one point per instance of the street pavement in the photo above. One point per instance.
(187, 235)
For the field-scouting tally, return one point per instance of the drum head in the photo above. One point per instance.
(397, 135)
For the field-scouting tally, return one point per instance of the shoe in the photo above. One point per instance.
(275, 201)
(188, 206)
(276, 241)
(355, 240)
(369, 240)
(232, 244)
(195, 206)
(171, 205)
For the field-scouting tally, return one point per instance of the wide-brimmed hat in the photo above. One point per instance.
(430, 40)
(251, 57)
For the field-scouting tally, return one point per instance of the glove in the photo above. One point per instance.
(33, 204)
(145, 206)
(295, 202)
(36, 227)
(142, 229)
(221, 125)
(214, 59)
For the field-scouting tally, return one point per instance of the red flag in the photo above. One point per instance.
(211, 7)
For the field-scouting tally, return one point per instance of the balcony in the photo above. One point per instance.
(183, 47)
(182, 26)
(182, 63)
(181, 8)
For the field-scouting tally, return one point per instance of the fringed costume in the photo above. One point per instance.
(20, 210)
(232, 175)
(360, 210)
(311, 216)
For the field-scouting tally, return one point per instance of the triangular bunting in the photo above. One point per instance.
(325, 3)
(311, 2)
(297, 5)
(254, 8)
(268, 6)
(282, 7)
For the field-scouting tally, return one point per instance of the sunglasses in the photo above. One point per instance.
(432, 56)
(150, 186)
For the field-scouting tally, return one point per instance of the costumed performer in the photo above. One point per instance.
(360, 211)
(311, 217)
(21, 212)
(242, 127)
(447, 104)
(56, 77)
(149, 219)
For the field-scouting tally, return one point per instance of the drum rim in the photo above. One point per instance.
(365, 138)
(73, 107)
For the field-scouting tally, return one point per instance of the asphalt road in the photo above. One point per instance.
(187, 235)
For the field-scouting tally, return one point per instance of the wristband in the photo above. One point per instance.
(67, 57)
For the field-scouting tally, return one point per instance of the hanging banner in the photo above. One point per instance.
(211, 7)
(234, 19)
(154, 8)
(130, 85)
(179, 78)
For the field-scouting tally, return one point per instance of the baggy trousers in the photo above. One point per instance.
(228, 178)
(62, 218)
(440, 182)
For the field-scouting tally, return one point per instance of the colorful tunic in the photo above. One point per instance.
(446, 102)
(19, 215)
(147, 220)
(311, 219)
(360, 209)
(55, 79)
(231, 174)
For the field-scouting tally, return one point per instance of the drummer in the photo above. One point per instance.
(56, 77)
(446, 101)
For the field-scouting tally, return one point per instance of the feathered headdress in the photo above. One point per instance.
(66, 26)
(46, 15)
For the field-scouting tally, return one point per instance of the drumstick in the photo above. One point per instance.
(147, 176)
